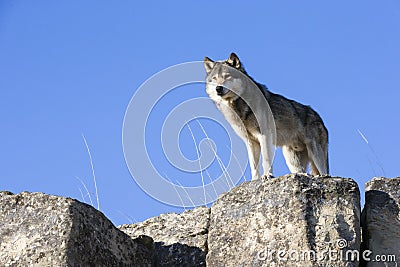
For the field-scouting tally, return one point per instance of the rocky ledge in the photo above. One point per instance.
(294, 220)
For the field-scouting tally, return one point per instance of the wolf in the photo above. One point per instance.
(246, 104)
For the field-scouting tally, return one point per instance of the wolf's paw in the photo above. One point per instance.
(267, 176)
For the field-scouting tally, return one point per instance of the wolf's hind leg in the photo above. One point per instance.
(319, 159)
(297, 161)
(314, 169)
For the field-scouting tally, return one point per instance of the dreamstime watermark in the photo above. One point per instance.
(136, 136)
(339, 252)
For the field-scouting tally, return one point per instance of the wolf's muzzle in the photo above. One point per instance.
(220, 90)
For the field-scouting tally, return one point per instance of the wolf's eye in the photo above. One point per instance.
(214, 78)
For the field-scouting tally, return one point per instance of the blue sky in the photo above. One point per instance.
(69, 68)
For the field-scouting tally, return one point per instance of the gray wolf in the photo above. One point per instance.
(245, 104)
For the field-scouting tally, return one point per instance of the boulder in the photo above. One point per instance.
(381, 222)
(294, 220)
(180, 239)
(43, 230)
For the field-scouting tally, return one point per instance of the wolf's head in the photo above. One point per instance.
(224, 78)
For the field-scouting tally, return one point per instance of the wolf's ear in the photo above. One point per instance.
(234, 61)
(208, 64)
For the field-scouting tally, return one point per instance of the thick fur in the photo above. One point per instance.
(300, 131)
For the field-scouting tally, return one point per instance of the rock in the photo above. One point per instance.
(180, 239)
(295, 220)
(286, 222)
(43, 230)
(381, 221)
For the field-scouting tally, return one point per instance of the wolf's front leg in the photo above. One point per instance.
(253, 149)
(267, 152)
